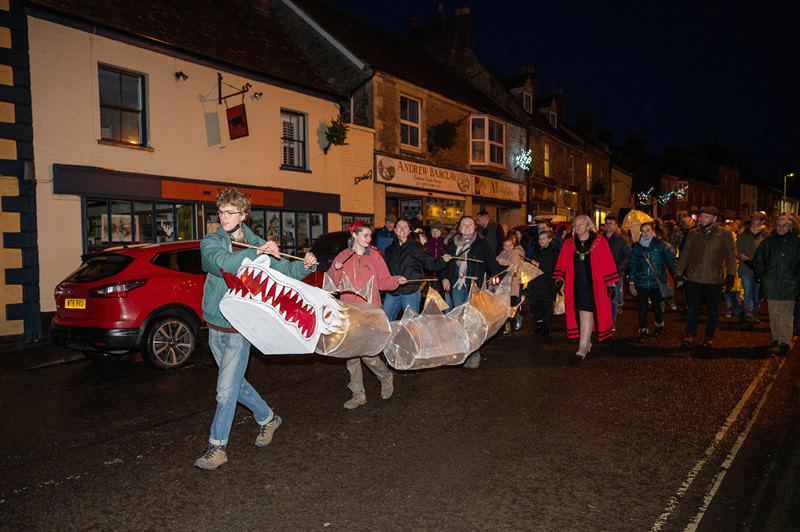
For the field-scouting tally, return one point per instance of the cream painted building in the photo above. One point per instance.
(132, 141)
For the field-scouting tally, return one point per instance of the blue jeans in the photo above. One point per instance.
(394, 304)
(616, 301)
(752, 299)
(457, 296)
(232, 352)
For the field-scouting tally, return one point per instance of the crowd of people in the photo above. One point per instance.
(695, 262)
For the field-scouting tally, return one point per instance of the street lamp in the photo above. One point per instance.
(784, 190)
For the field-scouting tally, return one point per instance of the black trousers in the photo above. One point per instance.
(698, 294)
(645, 295)
(542, 310)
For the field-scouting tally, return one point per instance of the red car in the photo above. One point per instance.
(134, 298)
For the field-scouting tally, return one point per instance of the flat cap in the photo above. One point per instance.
(710, 209)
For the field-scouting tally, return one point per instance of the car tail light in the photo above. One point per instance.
(118, 289)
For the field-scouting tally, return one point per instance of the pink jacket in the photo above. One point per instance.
(359, 269)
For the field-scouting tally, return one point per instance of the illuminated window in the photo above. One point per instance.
(409, 121)
(487, 137)
(588, 176)
(122, 99)
(547, 160)
(293, 140)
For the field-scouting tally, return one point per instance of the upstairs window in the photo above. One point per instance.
(487, 140)
(527, 101)
(293, 140)
(122, 100)
(409, 122)
(553, 119)
(547, 160)
(588, 176)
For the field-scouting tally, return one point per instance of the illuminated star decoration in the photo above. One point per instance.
(644, 197)
(680, 195)
(523, 160)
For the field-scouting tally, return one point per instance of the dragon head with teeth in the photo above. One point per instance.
(276, 313)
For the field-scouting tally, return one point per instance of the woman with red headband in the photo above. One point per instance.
(362, 262)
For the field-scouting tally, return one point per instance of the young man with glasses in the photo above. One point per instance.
(230, 349)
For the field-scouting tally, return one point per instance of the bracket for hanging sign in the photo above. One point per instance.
(245, 88)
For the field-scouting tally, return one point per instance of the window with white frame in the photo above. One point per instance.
(410, 122)
(527, 100)
(487, 140)
(293, 140)
(122, 100)
(547, 160)
(553, 119)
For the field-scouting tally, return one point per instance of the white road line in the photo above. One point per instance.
(675, 499)
(692, 526)
(56, 362)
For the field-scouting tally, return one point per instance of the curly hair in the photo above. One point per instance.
(231, 196)
(592, 228)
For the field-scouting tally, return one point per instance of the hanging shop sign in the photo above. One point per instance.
(421, 175)
(237, 121)
(487, 187)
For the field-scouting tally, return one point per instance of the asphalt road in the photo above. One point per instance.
(636, 437)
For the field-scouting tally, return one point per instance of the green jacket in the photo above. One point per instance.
(217, 253)
(707, 259)
(746, 246)
(777, 264)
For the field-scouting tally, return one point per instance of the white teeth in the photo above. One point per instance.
(278, 307)
(283, 315)
(260, 276)
(278, 290)
(249, 272)
(270, 282)
(299, 298)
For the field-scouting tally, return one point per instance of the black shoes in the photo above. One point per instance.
(687, 343)
(545, 331)
(642, 335)
(658, 330)
(539, 328)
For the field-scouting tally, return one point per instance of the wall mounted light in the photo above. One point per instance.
(258, 95)
(180, 76)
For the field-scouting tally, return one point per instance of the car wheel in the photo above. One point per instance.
(169, 343)
(97, 356)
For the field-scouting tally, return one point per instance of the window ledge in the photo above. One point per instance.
(106, 142)
(296, 169)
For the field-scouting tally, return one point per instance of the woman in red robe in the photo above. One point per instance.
(588, 275)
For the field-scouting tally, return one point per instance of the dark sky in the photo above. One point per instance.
(681, 73)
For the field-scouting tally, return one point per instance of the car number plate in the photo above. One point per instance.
(75, 303)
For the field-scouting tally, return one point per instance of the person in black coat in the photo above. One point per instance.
(457, 279)
(542, 290)
(406, 257)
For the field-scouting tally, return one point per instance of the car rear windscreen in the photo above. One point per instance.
(99, 267)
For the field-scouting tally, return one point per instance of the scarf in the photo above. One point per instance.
(463, 244)
(757, 231)
(645, 242)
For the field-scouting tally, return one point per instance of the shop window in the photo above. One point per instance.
(122, 98)
(293, 140)
(348, 219)
(409, 121)
(487, 140)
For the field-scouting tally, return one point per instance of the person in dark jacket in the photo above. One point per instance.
(645, 280)
(542, 290)
(777, 264)
(406, 257)
(385, 235)
(746, 245)
(491, 231)
(459, 276)
(621, 251)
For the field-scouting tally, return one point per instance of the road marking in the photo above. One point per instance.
(675, 499)
(723, 470)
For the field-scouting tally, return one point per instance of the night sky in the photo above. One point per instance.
(682, 73)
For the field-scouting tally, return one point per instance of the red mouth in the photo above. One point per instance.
(289, 303)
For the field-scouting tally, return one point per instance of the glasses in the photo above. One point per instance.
(227, 214)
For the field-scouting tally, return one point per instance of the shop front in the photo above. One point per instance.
(120, 208)
(417, 189)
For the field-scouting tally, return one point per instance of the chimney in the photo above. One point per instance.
(533, 77)
(561, 104)
(462, 29)
(586, 124)
(431, 36)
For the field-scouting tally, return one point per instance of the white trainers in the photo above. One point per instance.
(387, 388)
(358, 399)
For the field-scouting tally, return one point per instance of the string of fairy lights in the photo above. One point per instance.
(644, 198)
